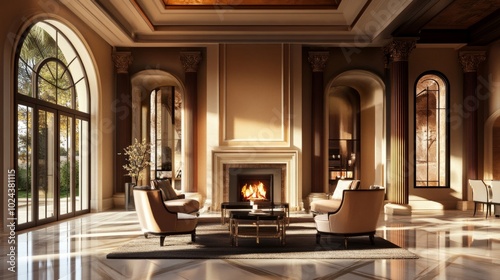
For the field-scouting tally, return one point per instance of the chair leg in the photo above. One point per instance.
(372, 239)
(318, 237)
(146, 235)
(193, 236)
(345, 242)
(475, 207)
(162, 240)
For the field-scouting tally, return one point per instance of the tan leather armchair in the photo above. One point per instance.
(357, 215)
(156, 219)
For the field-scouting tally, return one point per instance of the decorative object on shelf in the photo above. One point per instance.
(137, 156)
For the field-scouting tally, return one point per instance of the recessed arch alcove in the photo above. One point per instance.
(370, 90)
(142, 84)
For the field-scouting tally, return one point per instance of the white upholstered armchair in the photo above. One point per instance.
(357, 215)
(480, 195)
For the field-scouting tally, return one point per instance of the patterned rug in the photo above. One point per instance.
(213, 242)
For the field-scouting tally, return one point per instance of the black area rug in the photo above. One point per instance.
(212, 242)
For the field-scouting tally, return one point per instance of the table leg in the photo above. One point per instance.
(236, 233)
(257, 232)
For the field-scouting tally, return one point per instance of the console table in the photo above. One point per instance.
(261, 224)
(262, 205)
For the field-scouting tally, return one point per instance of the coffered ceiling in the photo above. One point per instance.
(128, 23)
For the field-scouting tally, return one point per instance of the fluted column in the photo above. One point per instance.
(123, 117)
(190, 62)
(470, 60)
(318, 60)
(398, 189)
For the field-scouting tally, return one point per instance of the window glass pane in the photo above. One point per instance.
(66, 166)
(82, 172)
(47, 82)
(431, 168)
(24, 74)
(25, 159)
(45, 168)
(81, 100)
(65, 89)
(46, 36)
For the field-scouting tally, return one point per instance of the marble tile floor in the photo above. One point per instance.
(450, 244)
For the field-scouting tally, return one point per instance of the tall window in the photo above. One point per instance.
(53, 126)
(431, 132)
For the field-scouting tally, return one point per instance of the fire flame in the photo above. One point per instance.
(254, 192)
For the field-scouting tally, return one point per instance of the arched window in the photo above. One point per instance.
(431, 131)
(53, 127)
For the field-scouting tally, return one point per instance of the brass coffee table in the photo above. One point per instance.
(259, 224)
(227, 207)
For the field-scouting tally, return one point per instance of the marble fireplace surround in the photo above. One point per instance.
(284, 159)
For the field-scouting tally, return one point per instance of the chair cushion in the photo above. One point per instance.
(166, 189)
(341, 186)
(325, 205)
(322, 223)
(185, 205)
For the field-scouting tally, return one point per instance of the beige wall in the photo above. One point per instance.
(254, 95)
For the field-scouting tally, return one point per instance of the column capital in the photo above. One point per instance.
(122, 61)
(400, 49)
(190, 61)
(318, 60)
(470, 60)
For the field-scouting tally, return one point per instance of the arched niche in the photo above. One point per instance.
(343, 134)
(366, 89)
(142, 85)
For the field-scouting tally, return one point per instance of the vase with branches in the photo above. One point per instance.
(138, 158)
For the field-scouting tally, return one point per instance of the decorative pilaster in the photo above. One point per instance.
(190, 62)
(398, 189)
(123, 117)
(470, 60)
(318, 60)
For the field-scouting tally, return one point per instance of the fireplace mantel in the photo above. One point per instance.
(246, 156)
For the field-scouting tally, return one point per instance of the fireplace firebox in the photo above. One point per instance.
(255, 184)
(258, 187)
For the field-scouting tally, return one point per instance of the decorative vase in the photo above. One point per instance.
(129, 196)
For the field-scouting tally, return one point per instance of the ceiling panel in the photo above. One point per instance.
(347, 23)
(251, 4)
(462, 14)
